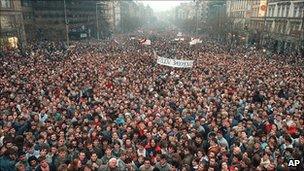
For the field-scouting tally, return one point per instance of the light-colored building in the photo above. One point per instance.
(285, 24)
(276, 24)
(12, 27)
(237, 11)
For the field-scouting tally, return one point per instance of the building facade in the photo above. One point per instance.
(12, 27)
(53, 20)
(285, 25)
(275, 24)
(113, 15)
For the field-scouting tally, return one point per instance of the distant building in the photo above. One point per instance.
(285, 24)
(185, 11)
(112, 15)
(276, 24)
(216, 21)
(45, 19)
(12, 27)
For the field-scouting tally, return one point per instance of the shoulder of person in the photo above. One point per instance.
(103, 167)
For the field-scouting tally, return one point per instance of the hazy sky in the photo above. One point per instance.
(159, 5)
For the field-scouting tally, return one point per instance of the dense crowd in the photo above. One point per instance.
(109, 106)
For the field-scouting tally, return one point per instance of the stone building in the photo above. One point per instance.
(12, 28)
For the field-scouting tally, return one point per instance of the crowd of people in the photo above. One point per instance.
(109, 106)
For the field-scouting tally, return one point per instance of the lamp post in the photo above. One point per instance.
(302, 33)
(97, 24)
(196, 13)
(97, 19)
(66, 24)
(217, 7)
(265, 23)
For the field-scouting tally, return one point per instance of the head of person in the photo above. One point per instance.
(112, 163)
(43, 163)
(87, 167)
(163, 159)
(62, 167)
(82, 156)
(21, 167)
(108, 151)
(32, 161)
(147, 163)
(94, 157)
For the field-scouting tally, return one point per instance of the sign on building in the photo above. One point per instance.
(262, 8)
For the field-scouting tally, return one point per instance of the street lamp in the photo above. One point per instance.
(197, 7)
(66, 24)
(218, 20)
(97, 19)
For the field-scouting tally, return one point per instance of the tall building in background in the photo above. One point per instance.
(12, 27)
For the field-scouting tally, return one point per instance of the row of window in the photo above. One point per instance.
(7, 21)
(6, 4)
(280, 27)
(283, 11)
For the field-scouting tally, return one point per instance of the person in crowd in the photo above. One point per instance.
(111, 106)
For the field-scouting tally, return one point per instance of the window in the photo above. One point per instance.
(7, 21)
(295, 11)
(283, 11)
(287, 11)
(279, 11)
(6, 3)
(26, 3)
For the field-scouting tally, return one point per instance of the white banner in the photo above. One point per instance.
(179, 34)
(83, 35)
(179, 39)
(175, 63)
(195, 41)
(147, 42)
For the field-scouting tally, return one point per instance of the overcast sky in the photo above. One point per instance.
(159, 5)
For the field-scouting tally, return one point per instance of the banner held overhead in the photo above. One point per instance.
(175, 63)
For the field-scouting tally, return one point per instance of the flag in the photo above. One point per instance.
(142, 40)
(145, 41)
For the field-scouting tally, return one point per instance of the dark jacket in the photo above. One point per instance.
(7, 164)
